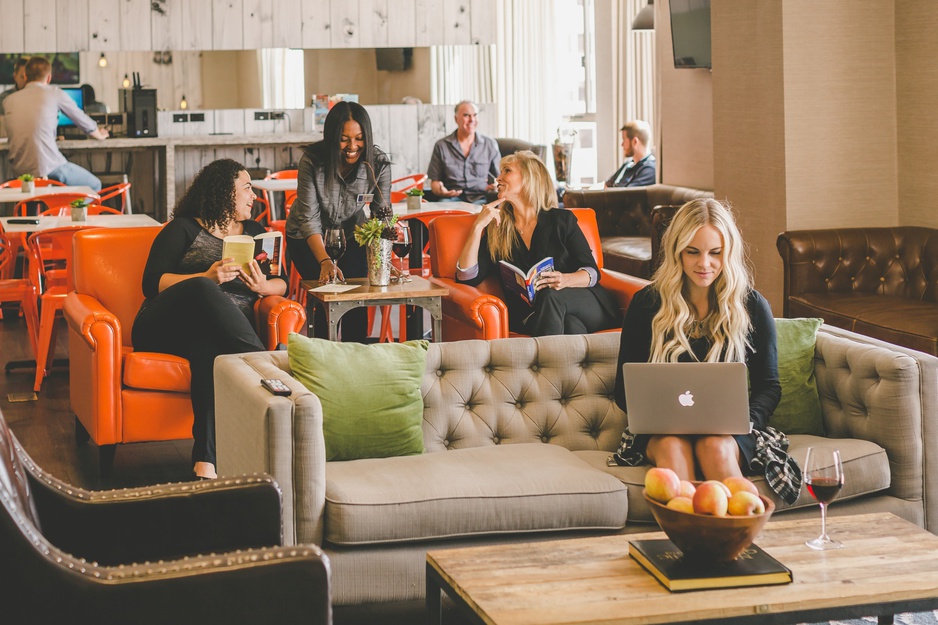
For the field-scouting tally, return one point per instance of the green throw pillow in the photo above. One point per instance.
(799, 411)
(370, 394)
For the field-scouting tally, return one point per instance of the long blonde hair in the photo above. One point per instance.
(538, 191)
(729, 322)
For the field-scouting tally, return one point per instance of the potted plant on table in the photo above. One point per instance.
(414, 198)
(377, 235)
(79, 210)
(27, 183)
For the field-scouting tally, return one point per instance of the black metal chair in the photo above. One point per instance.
(200, 552)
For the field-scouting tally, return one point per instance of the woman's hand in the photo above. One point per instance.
(258, 282)
(223, 271)
(556, 280)
(490, 212)
(329, 271)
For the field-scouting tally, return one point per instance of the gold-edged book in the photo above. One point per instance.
(266, 248)
(754, 567)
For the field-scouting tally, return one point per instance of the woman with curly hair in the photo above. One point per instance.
(524, 226)
(199, 305)
(701, 307)
(332, 174)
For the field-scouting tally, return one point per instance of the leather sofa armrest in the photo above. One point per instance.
(94, 323)
(484, 313)
(623, 286)
(885, 394)
(159, 522)
(277, 317)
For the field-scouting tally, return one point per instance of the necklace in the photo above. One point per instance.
(698, 328)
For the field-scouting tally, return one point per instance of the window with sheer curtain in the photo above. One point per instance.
(282, 83)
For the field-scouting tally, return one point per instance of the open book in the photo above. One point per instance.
(266, 248)
(524, 283)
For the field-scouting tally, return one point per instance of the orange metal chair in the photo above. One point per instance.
(121, 190)
(479, 312)
(37, 182)
(99, 209)
(288, 196)
(56, 203)
(401, 186)
(19, 290)
(117, 394)
(49, 250)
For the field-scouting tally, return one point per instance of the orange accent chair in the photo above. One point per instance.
(119, 395)
(479, 312)
(401, 186)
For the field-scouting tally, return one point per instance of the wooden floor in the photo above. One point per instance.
(45, 428)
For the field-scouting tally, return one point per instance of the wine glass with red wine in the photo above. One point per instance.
(402, 246)
(334, 241)
(824, 477)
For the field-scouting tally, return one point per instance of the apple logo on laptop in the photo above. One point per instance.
(686, 399)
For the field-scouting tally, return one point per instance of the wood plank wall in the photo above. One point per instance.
(110, 25)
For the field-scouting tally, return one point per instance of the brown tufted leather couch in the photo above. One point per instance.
(625, 218)
(882, 282)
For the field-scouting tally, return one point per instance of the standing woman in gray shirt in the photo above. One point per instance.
(332, 174)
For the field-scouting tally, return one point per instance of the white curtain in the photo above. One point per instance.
(636, 56)
(279, 69)
(460, 73)
(526, 70)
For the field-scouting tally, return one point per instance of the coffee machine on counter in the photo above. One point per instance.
(139, 104)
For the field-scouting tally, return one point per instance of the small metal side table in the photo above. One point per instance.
(417, 292)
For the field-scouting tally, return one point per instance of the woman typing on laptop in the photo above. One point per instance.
(701, 307)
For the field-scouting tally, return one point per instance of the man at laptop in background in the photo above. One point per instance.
(702, 307)
(31, 120)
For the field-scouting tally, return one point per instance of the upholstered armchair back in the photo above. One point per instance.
(901, 262)
(557, 391)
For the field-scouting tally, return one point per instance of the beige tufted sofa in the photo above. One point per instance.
(517, 433)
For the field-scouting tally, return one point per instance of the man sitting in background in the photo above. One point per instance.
(638, 170)
(31, 120)
(464, 165)
(19, 79)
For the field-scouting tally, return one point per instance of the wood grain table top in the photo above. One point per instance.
(417, 287)
(887, 565)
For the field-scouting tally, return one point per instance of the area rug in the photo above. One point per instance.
(916, 618)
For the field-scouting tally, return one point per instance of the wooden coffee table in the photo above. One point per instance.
(416, 292)
(887, 566)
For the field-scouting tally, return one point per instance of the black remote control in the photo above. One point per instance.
(276, 387)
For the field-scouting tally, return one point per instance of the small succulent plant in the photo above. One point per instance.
(415, 192)
(26, 178)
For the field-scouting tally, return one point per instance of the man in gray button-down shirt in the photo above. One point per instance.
(31, 119)
(464, 165)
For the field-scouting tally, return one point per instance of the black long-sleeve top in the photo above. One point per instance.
(765, 391)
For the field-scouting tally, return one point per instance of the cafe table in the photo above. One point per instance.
(36, 224)
(12, 195)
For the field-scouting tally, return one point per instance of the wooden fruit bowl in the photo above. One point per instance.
(706, 537)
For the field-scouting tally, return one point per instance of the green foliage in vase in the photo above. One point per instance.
(26, 178)
(374, 229)
(80, 203)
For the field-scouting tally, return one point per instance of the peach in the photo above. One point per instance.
(744, 503)
(736, 484)
(682, 504)
(662, 484)
(711, 499)
(687, 489)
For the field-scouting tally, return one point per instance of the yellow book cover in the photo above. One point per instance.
(265, 248)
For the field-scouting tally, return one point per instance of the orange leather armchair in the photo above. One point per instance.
(479, 312)
(119, 395)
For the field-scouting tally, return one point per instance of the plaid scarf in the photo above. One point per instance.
(782, 473)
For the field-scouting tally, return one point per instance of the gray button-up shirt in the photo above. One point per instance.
(469, 173)
(31, 119)
(315, 209)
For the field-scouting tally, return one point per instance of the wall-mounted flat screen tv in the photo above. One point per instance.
(65, 67)
(690, 33)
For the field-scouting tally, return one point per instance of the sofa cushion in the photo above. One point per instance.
(799, 411)
(866, 470)
(501, 489)
(370, 394)
(151, 371)
(894, 319)
(630, 255)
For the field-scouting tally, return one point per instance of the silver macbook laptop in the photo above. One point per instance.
(687, 398)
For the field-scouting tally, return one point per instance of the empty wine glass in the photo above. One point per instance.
(824, 477)
(334, 241)
(401, 246)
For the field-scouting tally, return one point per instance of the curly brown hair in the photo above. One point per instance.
(211, 196)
